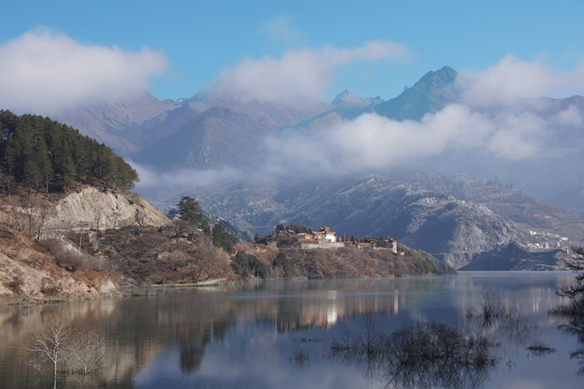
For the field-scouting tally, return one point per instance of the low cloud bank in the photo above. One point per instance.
(187, 177)
(513, 78)
(509, 127)
(375, 142)
(498, 116)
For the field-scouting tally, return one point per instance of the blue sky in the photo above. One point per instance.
(201, 40)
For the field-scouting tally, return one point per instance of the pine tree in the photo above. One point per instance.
(191, 212)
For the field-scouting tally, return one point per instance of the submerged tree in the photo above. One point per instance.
(51, 343)
(422, 355)
(66, 350)
(574, 311)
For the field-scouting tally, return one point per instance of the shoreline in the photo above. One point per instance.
(151, 290)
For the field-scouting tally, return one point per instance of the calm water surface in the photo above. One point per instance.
(309, 334)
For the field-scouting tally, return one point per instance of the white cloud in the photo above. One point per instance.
(571, 116)
(375, 142)
(187, 177)
(513, 78)
(45, 72)
(298, 74)
(493, 118)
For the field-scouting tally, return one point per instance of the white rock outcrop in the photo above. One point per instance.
(97, 209)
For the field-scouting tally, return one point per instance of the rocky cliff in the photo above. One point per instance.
(46, 268)
(102, 209)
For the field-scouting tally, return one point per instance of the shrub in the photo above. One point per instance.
(16, 284)
(246, 264)
(281, 261)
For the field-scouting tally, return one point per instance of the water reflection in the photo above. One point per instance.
(574, 314)
(279, 333)
(489, 316)
(419, 356)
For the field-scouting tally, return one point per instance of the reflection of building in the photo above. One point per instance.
(328, 312)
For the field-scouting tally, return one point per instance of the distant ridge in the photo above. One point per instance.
(349, 99)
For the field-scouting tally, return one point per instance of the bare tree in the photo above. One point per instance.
(140, 217)
(45, 210)
(98, 218)
(51, 342)
(116, 217)
(87, 351)
(9, 183)
(30, 209)
(67, 351)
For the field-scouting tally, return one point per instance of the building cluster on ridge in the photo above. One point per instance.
(327, 239)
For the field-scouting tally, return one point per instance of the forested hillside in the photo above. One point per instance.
(43, 155)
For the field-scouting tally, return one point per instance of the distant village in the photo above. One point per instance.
(546, 241)
(304, 238)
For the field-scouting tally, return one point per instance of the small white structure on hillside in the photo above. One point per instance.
(325, 235)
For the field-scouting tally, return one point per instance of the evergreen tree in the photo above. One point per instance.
(191, 212)
(223, 239)
(42, 154)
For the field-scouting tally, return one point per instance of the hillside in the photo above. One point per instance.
(252, 163)
(120, 125)
(515, 205)
(116, 243)
(40, 245)
(451, 229)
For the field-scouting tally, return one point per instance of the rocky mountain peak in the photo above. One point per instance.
(347, 99)
(431, 93)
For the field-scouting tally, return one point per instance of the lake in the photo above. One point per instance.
(363, 333)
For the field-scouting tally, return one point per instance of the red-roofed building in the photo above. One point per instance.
(325, 235)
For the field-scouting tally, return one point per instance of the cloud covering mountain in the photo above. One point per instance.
(299, 74)
(264, 119)
(45, 72)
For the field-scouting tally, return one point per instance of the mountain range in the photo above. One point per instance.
(433, 203)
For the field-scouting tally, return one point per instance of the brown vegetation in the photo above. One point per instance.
(96, 263)
(148, 255)
(42, 263)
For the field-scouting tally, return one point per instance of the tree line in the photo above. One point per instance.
(44, 155)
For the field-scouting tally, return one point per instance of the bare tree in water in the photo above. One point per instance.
(51, 343)
(58, 348)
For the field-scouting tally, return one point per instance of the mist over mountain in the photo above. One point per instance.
(121, 125)
(257, 162)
